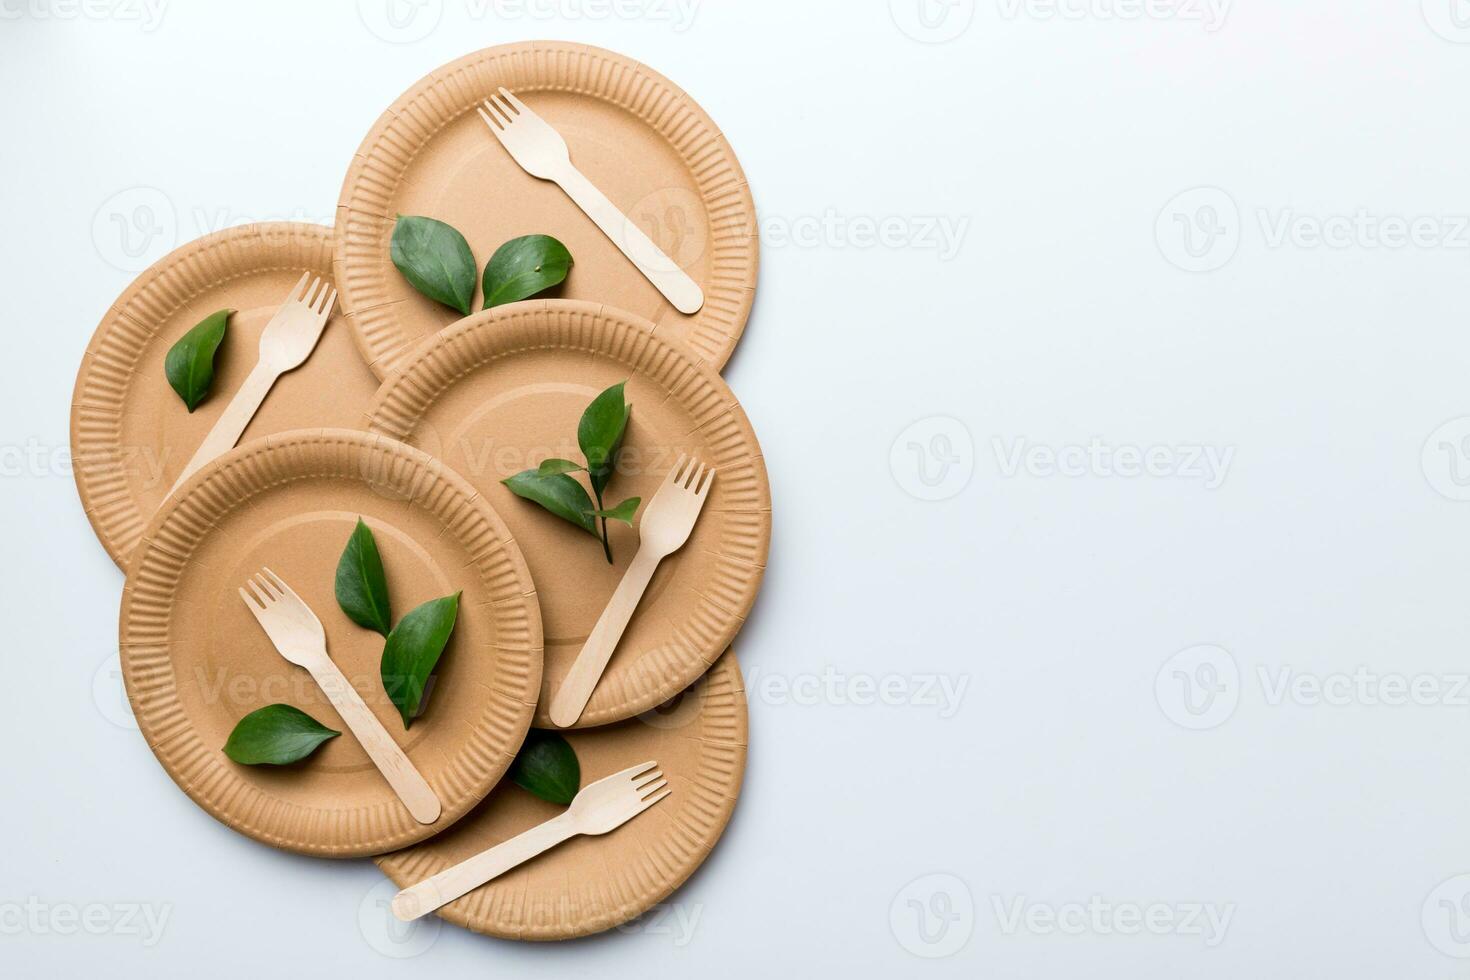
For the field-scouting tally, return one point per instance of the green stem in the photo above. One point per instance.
(606, 547)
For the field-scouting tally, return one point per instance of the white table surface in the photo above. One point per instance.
(1165, 300)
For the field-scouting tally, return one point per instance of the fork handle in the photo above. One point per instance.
(385, 753)
(231, 424)
(576, 690)
(451, 883)
(680, 290)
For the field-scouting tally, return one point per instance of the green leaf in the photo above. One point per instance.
(276, 735)
(362, 588)
(523, 267)
(412, 650)
(435, 259)
(551, 467)
(558, 493)
(622, 512)
(189, 364)
(547, 767)
(600, 434)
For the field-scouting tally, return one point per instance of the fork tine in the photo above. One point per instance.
(261, 596)
(300, 284)
(494, 128)
(704, 486)
(514, 102)
(649, 790)
(642, 767)
(313, 293)
(280, 584)
(643, 779)
(505, 109)
(673, 477)
(254, 604)
(326, 308)
(652, 800)
(496, 114)
(268, 587)
(694, 479)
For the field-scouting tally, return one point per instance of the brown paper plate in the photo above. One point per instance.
(131, 435)
(590, 884)
(195, 661)
(501, 390)
(645, 143)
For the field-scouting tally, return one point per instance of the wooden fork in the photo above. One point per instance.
(541, 152)
(599, 808)
(667, 522)
(286, 342)
(299, 637)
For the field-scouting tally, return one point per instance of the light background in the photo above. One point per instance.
(1057, 145)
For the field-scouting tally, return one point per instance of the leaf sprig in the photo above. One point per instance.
(412, 648)
(437, 261)
(600, 437)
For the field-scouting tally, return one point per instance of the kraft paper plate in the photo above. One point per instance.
(131, 435)
(655, 154)
(589, 884)
(503, 389)
(195, 661)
